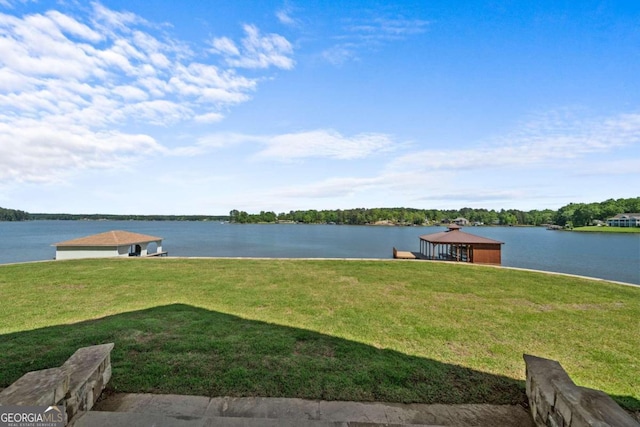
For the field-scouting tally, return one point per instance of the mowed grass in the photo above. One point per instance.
(321, 329)
(595, 228)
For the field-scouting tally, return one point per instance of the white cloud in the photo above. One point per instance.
(67, 78)
(158, 112)
(225, 46)
(111, 20)
(329, 188)
(545, 152)
(325, 143)
(320, 143)
(629, 166)
(33, 151)
(385, 28)
(13, 81)
(256, 51)
(206, 143)
(69, 25)
(10, 3)
(371, 33)
(209, 118)
(130, 93)
(285, 16)
(470, 195)
(34, 46)
(548, 140)
(434, 189)
(339, 54)
(208, 84)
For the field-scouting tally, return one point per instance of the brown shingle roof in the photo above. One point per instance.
(454, 235)
(110, 238)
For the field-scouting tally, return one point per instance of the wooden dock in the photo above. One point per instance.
(405, 254)
(163, 253)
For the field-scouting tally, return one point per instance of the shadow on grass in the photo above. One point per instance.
(188, 350)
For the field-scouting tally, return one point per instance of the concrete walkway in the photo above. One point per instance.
(197, 411)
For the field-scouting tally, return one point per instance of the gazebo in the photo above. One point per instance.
(110, 244)
(456, 245)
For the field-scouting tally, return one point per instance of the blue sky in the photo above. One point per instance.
(154, 108)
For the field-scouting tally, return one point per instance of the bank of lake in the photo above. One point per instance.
(611, 256)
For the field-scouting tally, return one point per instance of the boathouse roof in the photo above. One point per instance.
(455, 236)
(110, 238)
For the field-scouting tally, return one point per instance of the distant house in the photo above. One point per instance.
(461, 221)
(110, 244)
(625, 220)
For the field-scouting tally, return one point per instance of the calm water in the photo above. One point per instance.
(607, 256)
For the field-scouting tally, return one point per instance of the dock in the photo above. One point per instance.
(405, 254)
(163, 253)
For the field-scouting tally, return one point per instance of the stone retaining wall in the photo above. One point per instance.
(90, 371)
(76, 384)
(555, 400)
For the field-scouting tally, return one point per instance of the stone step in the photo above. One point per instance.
(296, 410)
(126, 419)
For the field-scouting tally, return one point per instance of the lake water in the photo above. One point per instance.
(602, 255)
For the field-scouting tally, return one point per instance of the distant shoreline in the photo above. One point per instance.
(198, 218)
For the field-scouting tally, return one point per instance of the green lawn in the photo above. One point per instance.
(353, 330)
(592, 228)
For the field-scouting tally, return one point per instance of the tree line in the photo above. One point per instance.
(16, 215)
(396, 216)
(581, 214)
(573, 214)
(13, 215)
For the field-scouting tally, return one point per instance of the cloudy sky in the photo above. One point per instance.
(153, 108)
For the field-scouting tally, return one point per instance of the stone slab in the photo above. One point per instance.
(263, 407)
(37, 388)
(121, 419)
(128, 419)
(84, 363)
(600, 406)
(546, 372)
(472, 415)
(165, 404)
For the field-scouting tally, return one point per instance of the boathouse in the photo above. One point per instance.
(456, 245)
(110, 244)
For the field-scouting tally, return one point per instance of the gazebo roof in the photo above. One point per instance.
(455, 236)
(110, 238)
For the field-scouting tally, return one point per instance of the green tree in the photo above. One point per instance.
(13, 215)
(507, 218)
(610, 208)
(242, 217)
(565, 214)
(584, 214)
